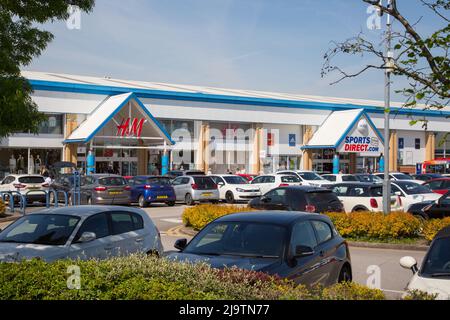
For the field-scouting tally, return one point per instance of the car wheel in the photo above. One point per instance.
(359, 209)
(142, 202)
(229, 197)
(171, 203)
(346, 274)
(188, 199)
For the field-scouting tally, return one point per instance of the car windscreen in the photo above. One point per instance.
(321, 197)
(349, 178)
(290, 179)
(159, 180)
(413, 188)
(310, 176)
(245, 239)
(205, 183)
(194, 173)
(368, 178)
(44, 229)
(235, 180)
(402, 176)
(437, 262)
(32, 179)
(112, 181)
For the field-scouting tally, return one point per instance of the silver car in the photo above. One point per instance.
(191, 189)
(82, 232)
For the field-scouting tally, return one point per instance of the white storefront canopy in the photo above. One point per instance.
(121, 117)
(349, 131)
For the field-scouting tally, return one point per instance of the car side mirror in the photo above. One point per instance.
(220, 184)
(265, 199)
(87, 237)
(408, 262)
(180, 244)
(398, 193)
(303, 251)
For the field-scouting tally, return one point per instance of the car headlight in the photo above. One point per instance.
(240, 190)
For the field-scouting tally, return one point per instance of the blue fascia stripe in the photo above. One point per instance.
(216, 98)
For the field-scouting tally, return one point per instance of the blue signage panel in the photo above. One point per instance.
(418, 168)
(292, 140)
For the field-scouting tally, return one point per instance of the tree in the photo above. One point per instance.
(20, 41)
(423, 60)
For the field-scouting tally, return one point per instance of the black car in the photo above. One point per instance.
(427, 176)
(298, 198)
(432, 209)
(65, 183)
(302, 247)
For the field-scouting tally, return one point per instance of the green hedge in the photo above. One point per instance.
(142, 277)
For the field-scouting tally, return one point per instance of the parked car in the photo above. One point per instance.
(367, 177)
(362, 196)
(307, 178)
(301, 247)
(177, 173)
(235, 188)
(191, 189)
(268, 182)
(411, 192)
(432, 209)
(247, 176)
(151, 189)
(398, 176)
(298, 198)
(441, 185)
(32, 186)
(108, 189)
(94, 232)
(433, 277)
(65, 183)
(341, 177)
(427, 176)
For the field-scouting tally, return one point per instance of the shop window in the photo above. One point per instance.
(417, 143)
(53, 124)
(401, 143)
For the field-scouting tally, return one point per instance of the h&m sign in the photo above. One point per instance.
(130, 127)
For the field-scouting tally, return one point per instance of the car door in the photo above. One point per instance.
(221, 184)
(125, 237)
(177, 188)
(275, 199)
(101, 247)
(341, 192)
(304, 270)
(257, 182)
(326, 251)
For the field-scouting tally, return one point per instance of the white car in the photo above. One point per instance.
(409, 192)
(433, 277)
(267, 182)
(341, 177)
(398, 176)
(81, 232)
(235, 188)
(32, 186)
(362, 196)
(308, 178)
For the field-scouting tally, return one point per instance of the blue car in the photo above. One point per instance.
(150, 189)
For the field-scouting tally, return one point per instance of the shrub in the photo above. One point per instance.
(200, 215)
(395, 225)
(433, 226)
(143, 277)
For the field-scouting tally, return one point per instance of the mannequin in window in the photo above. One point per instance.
(12, 164)
(37, 162)
(20, 164)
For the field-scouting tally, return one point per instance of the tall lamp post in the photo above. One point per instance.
(387, 93)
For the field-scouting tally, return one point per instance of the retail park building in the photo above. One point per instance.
(130, 126)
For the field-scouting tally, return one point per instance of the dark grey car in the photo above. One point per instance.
(108, 189)
(302, 247)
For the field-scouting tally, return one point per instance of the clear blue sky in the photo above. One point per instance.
(246, 44)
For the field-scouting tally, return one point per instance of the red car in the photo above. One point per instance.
(441, 185)
(247, 176)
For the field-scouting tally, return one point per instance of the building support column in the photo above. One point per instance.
(256, 151)
(206, 150)
(393, 151)
(430, 145)
(200, 149)
(352, 163)
(142, 155)
(70, 150)
(307, 154)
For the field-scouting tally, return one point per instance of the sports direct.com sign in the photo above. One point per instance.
(361, 144)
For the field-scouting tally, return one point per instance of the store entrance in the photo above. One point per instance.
(116, 166)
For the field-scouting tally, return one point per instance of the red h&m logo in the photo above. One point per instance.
(125, 130)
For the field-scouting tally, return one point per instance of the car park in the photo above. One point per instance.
(398, 176)
(298, 198)
(367, 177)
(307, 178)
(427, 176)
(192, 189)
(360, 196)
(436, 209)
(433, 276)
(151, 189)
(302, 247)
(410, 192)
(441, 185)
(268, 182)
(337, 178)
(234, 188)
(33, 187)
(81, 232)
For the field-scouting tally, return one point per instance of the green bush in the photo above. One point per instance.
(199, 216)
(143, 277)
